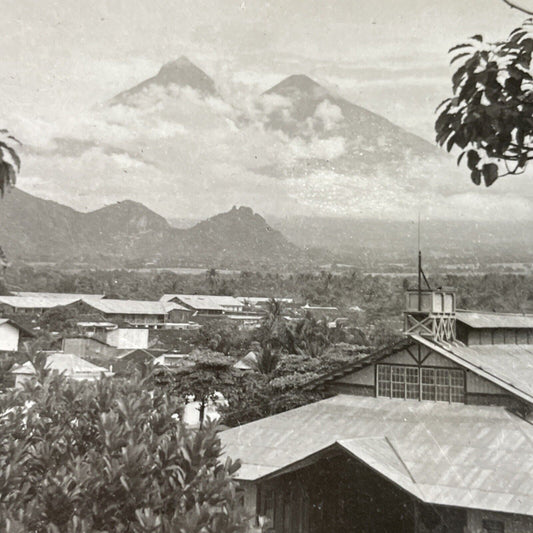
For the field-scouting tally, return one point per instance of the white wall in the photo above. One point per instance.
(130, 338)
(9, 338)
(191, 413)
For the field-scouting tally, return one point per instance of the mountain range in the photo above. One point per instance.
(327, 173)
(128, 233)
(298, 148)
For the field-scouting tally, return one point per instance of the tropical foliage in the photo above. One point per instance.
(9, 161)
(109, 456)
(489, 116)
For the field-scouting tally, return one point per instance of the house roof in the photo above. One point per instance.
(127, 353)
(204, 301)
(70, 365)
(361, 362)
(263, 299)
(18, 326)
(319, 308)
(38, 302)
(444, 454)
(248, 362)
(481, 319)
(510, 366)
(133, 307)
(103, 325)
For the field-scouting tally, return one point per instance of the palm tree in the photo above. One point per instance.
(212, 278)
(273, 329)
(267, 360)
(310, 336)
(9, 161)
(9, 168)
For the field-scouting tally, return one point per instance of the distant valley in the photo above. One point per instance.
(128, 234)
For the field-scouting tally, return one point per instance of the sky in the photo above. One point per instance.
(63, 58)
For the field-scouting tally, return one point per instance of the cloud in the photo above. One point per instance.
(185, 155)
(329, 114)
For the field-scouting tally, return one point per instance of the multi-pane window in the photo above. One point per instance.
(413, 382)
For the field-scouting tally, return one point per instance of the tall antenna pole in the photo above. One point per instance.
(419, 268)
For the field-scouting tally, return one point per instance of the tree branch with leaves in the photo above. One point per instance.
(490, 114)
(518, 7)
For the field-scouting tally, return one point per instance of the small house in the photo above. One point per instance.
(69, 365)
(12, 335)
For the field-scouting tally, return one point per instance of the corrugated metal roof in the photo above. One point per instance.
(205, 301)
(480, 319)
(68, 364)
(38, 302)
(446, 454)
(133, 307)
(248, 362)
(509, 366)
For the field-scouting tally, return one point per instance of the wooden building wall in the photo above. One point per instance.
(478, 391)
(339, 494)
(477, 336)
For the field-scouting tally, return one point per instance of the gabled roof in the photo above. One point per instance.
(319, 308)
(70, 365)
(248, 362)
(18, 326)
(443, 454)
(204, 302)
(254, 300)
(482, 319)
(133, 307)
(102, 325)
(510, 366)
(361, 362)
(38, 302)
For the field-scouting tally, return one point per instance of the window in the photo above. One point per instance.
(412, 382)
(443, 385)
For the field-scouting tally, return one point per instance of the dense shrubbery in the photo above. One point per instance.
(109, 456)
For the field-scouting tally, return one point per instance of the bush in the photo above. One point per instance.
(109, 456)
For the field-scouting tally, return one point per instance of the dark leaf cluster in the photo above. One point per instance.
(490, 115)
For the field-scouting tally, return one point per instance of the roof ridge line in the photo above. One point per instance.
(389, 442)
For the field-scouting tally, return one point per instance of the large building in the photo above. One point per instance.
(137, 312)
(432, 434)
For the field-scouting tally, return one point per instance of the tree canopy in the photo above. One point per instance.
(109, 456)
(489, 116)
